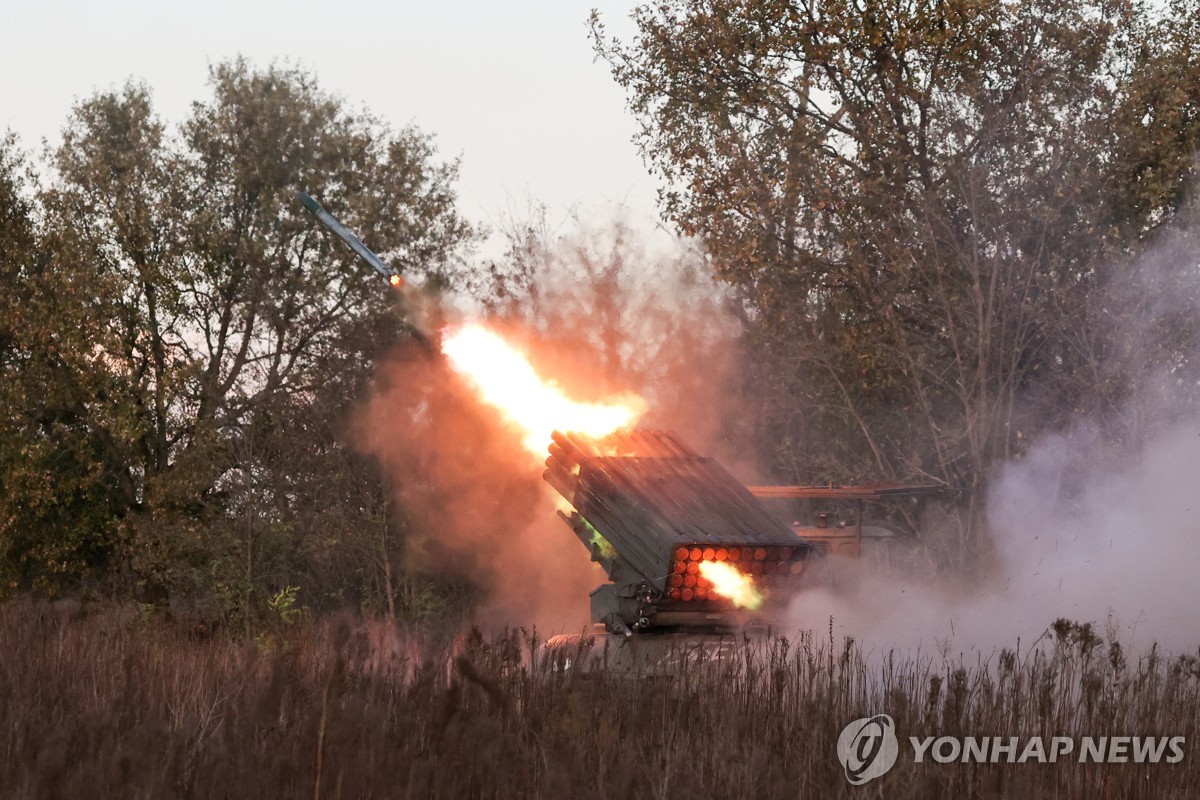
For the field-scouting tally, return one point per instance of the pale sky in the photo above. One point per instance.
(511, 87)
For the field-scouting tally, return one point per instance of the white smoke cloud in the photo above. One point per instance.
(1097, 524)
(1125, 542)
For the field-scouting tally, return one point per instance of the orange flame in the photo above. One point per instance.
(731, 583)
(504, 378)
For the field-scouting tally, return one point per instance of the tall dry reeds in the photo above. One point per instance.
(109, 704)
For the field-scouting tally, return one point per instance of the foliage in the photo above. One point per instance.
(922, 205)
(182, 340)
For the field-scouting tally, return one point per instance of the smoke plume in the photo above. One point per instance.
(1098, 523)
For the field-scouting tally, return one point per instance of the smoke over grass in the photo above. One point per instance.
(1097, 523)
(1086, 532)
(1103, 520)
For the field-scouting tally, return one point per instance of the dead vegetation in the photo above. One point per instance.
(109, 704)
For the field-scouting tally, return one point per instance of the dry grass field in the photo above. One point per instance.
(109, 704)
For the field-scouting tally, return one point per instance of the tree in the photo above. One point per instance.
(919, 203)
(62, 464)
(209, 309)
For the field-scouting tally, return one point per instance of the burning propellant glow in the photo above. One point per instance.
(505, 379)
(731, 583)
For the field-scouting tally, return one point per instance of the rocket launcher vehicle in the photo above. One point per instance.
(657, 516)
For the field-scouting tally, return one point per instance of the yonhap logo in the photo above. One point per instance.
(867, 748)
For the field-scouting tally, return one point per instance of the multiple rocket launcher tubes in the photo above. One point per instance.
(646, 502)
